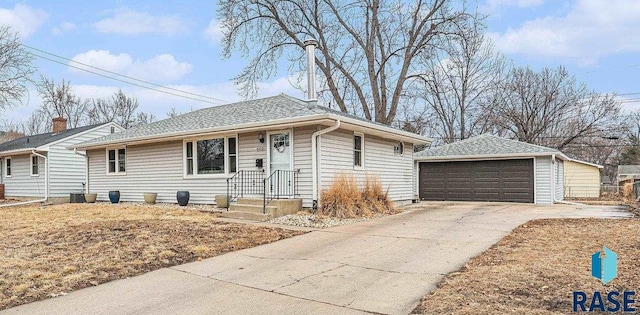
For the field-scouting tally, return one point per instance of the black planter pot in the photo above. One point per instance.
(114, 196)
(183, 197)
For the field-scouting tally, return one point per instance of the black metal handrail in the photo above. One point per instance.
(281, 183)
(244, 183)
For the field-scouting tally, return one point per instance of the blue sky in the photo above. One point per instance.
(176, 44)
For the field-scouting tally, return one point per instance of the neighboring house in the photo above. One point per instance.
(628, 174)
(41, 166)
(581, 179)
(490, 168)
(298, 145)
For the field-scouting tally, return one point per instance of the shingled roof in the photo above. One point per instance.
(628, 169)
(261, 112)
(485, 145)
(35, 141)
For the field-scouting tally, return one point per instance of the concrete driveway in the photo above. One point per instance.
(380, 266)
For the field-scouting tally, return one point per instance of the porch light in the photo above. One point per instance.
(261, 137)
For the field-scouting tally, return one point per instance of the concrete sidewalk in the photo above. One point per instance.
(380, 266)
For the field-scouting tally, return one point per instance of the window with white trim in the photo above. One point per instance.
(116, 161)
(7, 167)
(358, 145)
(213, 156)
(35, 169)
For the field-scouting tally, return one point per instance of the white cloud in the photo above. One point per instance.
(589, 31)
(161, 68)
(129, 22)
(64, 27)
(23, 19)
(494, 4)
(214, 31)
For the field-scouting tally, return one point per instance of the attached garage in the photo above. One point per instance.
(490, 168)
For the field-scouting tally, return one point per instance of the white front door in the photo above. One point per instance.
(280, 156)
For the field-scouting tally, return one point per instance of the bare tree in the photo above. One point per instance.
(145, 118)
(458, 81)
(37, 123)
(550, 108)
(367, 49)
(15, 68)
(173, 113)
(119, 108)
(58, 100)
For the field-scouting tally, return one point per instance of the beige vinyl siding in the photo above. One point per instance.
(394, 170)
(21, 183)
(581, 180)
(251, 149)
(543, 180)
(68, 170)
(158, 168)
(155, 168)
(302, 162)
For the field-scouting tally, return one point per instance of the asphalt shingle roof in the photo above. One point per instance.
(247, 112)
(35, 141)
(628, 169)
(484, 145)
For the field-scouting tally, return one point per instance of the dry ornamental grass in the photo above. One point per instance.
(346, 199)
(50, 251)
(536, 269)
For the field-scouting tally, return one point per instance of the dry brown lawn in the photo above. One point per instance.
(49, 251)
(535, 269)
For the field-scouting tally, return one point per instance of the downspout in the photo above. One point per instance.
(314, 159)
(553, 178)
(46, 174)
(86, 169)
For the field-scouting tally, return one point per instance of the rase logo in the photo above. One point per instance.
(604, 267)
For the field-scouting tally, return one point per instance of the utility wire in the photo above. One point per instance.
(124, 81)
(122, 75)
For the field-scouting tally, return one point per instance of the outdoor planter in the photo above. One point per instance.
(221, 201)
(150, 197)
(183, 197)
(90, 197)
(114, 196)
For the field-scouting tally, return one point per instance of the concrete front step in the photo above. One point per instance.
(251, 208)
(251, 201)
(245, 215)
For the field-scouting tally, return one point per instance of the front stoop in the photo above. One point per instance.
(251, 209)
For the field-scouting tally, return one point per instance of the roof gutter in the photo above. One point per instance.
(86, 170)
(17, 152)
(314, 159)
(290, 122)
(296, 121)
(404, 135)
(486, 157)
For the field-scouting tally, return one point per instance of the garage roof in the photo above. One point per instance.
(485, 146)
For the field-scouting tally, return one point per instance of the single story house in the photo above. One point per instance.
(41, 166)
(581, 179)
(490, 168)
(296, 147)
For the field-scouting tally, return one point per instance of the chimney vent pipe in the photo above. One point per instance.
(310, 46)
